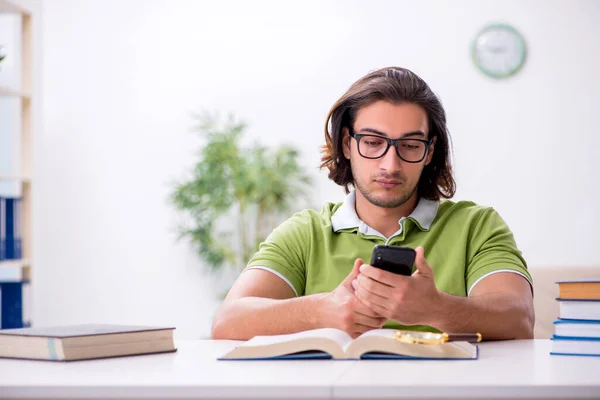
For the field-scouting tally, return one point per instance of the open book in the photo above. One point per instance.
(337, 344)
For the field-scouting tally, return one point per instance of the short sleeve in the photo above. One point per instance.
(492, 249)
(285, 250)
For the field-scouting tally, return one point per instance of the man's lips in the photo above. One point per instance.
(388, 183)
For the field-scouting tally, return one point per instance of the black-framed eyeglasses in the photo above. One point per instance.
(374, 146)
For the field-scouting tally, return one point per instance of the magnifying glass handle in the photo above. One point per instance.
(463, 337)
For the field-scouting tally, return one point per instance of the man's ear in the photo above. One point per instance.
(346, 143)
(430, 151)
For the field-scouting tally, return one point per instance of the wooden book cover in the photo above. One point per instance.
(82, 342)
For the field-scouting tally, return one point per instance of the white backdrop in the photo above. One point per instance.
(120, 80)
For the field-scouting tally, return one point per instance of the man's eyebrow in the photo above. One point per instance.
(375, 131)
(415, 133)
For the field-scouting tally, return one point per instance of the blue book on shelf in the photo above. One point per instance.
(12, 228)
(2, 228)
(11, 305)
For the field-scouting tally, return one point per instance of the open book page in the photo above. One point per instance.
(383, 341)
(384, 333)
(327, 340)
(336, 335)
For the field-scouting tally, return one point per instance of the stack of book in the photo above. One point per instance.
(577, 331)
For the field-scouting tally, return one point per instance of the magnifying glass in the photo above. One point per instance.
(435, 338)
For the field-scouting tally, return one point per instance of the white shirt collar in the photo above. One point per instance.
(345, 217)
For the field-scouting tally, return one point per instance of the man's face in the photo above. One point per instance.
(388, 181)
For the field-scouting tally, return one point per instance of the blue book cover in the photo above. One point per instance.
(576, 321)
(307, 355)
(575, 338)
(384, 356)
(575, 346)
(560, 299)
(2, 228)
(319, 355)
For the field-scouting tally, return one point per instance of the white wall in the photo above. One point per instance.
(121, 79)
(10, 127)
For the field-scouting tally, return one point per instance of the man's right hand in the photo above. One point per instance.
(341, 309)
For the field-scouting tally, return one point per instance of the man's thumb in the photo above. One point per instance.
(422, 267)
(354, 273)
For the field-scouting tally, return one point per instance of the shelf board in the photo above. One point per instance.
(15, 270)
(6, 7)
(22, 179)
(9, 92)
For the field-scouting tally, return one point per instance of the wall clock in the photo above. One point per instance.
(499, 51)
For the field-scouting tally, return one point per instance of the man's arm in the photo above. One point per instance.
(499, 307)
(261, 303)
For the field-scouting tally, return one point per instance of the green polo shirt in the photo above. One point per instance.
(463, 242)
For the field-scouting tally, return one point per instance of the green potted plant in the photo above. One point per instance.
(235, 195)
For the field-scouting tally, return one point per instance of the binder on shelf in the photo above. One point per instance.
(11, 305)
(2, 228)
(12, 228)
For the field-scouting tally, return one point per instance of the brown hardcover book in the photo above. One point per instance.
(83, 342)
(587, 289)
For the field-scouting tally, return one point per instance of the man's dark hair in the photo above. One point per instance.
(397, 86)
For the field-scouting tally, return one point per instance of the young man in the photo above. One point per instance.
(387, 138)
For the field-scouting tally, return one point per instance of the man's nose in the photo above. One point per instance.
(390, 161)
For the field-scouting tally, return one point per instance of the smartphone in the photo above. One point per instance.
(396, 259)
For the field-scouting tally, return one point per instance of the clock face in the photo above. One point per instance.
(499, 51)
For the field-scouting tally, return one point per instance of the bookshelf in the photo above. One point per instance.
(16, 273)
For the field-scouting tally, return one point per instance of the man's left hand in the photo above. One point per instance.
(408, 300)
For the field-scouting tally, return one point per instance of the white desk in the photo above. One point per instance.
(508, 369)
(517, 369)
